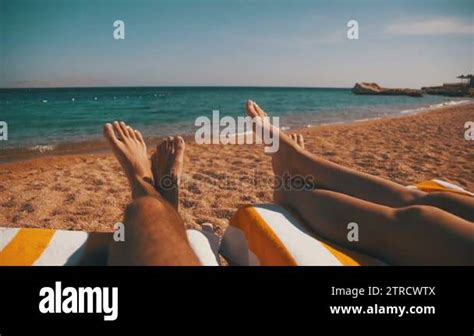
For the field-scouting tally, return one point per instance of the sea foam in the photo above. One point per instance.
(436, 106)
(41, 148)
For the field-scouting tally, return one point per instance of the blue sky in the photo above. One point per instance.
(245, 43)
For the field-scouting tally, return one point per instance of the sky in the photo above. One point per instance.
(56, 43)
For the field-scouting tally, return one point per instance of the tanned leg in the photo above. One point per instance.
(399, 235)
(331, 176)
(414, 235)
(167, 167)
(154, 232)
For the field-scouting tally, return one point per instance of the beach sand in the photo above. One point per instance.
(89, 191)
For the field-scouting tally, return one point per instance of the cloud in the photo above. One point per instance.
(435, 26)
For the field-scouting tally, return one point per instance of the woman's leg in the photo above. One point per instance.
(331, 176)
(414, 235)
(397, 233)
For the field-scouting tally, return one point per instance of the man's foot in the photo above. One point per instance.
(167, 166)
(281, 159)
(130, 150)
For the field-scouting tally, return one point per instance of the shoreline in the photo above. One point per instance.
(100, 146)
(89, 191)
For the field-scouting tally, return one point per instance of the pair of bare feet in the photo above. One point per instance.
(289, 143)
(283, 162)
(162, 174)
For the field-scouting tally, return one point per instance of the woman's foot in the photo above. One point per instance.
(298, 138)
(130, 150)
(167, 167)
(288, 145)
(287, 176)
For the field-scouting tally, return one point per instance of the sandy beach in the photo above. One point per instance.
(89, 191)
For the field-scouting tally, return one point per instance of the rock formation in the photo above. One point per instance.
(375, 89)
(451, 90)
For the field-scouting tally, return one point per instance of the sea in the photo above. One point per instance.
(41, 120)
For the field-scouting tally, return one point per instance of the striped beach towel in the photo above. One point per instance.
(45, 247)
(264, 234)
(269, 235)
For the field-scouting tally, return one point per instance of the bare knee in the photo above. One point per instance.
(429, 198)
(422, 229)
(412, 196)
(438, 199)
(415, 213)
(457, 204)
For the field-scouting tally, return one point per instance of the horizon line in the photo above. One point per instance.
(174, 86)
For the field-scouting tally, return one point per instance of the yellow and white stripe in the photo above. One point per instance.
(27, 247)
(269, 235)
(64, 248)
(45, 247)
(439, 185)
(6, 235)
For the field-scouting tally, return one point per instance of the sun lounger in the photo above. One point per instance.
(269, 235)
(439, 185)
(44, 247)
(264, 234)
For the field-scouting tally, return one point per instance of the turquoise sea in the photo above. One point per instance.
(41, 119)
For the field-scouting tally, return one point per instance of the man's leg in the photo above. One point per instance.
(154, 231)
(331, 176)
(167, 166)
(154, 235)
